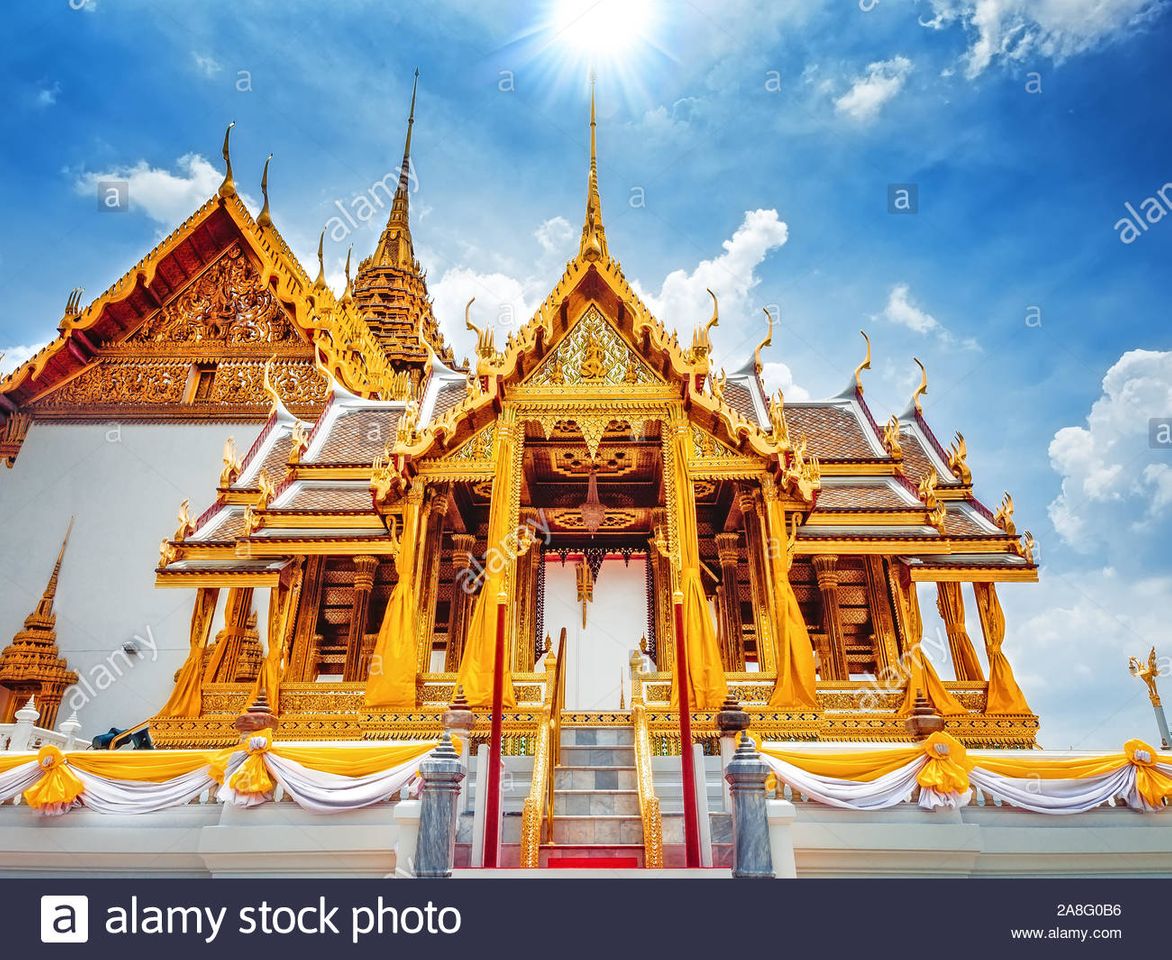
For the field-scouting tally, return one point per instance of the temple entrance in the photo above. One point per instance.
(616, 618)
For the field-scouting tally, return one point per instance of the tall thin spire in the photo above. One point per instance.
(405, 171)
(593, 244)
(394, 246)
(45, 606)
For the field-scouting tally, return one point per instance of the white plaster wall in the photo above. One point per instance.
(615, 621)
(123, 483)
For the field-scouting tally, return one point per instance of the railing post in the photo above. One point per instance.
(492, 824)
(687, 762)
(435, 851)
(746, 778)
(70, 728)
(22, 733)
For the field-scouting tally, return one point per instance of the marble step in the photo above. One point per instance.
(594, 778)
(597, 736)
(596, 802)
(597, 829)
(587, 755)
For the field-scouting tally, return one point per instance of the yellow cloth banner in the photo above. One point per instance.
(10, 760)
(948, 766)
(186, 699)
(357, 761)
(476, 664)
(394, 662)
(1004, 695)
(950, 603)
(58, 786)
(707, 686)
(922, 676)
(797, 684)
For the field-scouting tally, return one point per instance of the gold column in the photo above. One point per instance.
(523, 618)
(429, 584)
(950, 603)
(462, 547)
(882, 618)
(221, 667)
(749, 501)
(728, 550)
(661, 608)
(364, 570)
(303, 650)
(834, 661)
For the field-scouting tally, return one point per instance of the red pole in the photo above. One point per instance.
(691, 821)
(492, 805)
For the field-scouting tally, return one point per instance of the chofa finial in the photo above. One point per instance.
(758, 366)
(320, 282)
(265, 219)
(922, 388)
(228, 187)
(865, 365)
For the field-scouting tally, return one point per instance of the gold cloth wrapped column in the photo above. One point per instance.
(706, 680)
(796, 685)
(950, 603)
(429, 576)
(221, 667)
(1004, 695)
(303, 646)
(755, 550)
(282, 603)
(476, 665)
(921, 675)
(186, 699)
(390, 681)
(661, 607)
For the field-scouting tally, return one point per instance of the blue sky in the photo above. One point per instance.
(761, 143)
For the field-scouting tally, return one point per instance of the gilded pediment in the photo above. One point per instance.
(592, 353)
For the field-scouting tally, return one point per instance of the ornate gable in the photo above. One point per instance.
(594, 353)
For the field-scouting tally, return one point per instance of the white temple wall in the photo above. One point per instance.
(599, 652)
(123, 483)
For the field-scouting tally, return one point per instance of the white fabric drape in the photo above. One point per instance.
(19, 779)
(136, 796)
(330, 793)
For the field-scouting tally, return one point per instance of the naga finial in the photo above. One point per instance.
(485, 346)
(865, 365)
(269, 388)
(228, 187)
(265, 219)
(232, 464)
(186, 525)
(958, 453)
(1004, 515)
(72, 307)
(758, 366)
(927, 489)
(891, 438)
(922, 388)
(348, 293)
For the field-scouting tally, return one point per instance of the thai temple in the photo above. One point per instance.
(299, 519)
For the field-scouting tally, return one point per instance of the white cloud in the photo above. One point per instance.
(776, 375)
(555, 235)
(47, 95)
(882, 81)
(1011, 31)
(1109, 466)
(502, 302)
(207, 65)
(903, 311)
(682, 302)
(165, 197)
(13, 357)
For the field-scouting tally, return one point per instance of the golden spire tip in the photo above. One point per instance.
(228, 187)
(266, 218)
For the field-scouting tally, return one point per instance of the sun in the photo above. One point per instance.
(602, 29)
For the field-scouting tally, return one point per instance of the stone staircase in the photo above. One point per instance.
(596, 801)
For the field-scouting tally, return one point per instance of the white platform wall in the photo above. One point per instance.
(123, 483)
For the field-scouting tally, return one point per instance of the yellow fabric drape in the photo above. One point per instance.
(796, 673)
(950, 603)
(948, 766)
(922, 675)
(862, 766)
(58, 786)
(186, 699)
(10, 760)
(476, 663)
(268, 678)
(706, 680)
(357, 761)
(151, 766)
(1004, 695)
(394, 661)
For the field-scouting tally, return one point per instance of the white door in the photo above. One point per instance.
(599, 653)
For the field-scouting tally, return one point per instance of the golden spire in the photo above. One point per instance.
(46, 604)
(265, 219)
(228, 187)
(593, 243)
(320, 282)
(348, 293)
(394, 246)
(865, 365)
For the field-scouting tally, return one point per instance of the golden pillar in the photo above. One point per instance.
(357, 656)
(882, 618)
(462, 597)
(660, 600)
(526, 608)
(429, 583)
(728, 550)
(834, 662)
(303, 650)
(224, 662)
(756, 543)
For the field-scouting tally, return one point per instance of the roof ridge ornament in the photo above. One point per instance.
(228, 187)
(921, 389)
(865, 365)
(265, 219)
(320, 282)
(758, 366)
